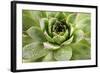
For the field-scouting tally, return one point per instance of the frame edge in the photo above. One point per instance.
(13, 36)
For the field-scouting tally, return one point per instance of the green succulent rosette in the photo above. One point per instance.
(56, 36)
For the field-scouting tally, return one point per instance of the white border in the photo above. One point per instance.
(21, 65)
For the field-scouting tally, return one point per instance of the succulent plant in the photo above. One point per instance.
(55, 36)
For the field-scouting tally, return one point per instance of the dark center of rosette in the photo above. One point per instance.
(59, 27)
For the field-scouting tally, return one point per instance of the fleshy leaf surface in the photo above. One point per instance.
(28, 20)
(34, 51)
(63, 53)
(50, 46)
(48, 57)
(36, 34)
(26, 39)
(83, 21)
(81, 50)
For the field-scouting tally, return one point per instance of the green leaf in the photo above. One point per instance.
(50, 46)
(72, 29)
(41, 14)
(44, 24)
(52, 21)
(48, 38)
(28, 20)
(68, 41)
(36, 34)
(83, 21)
(81, 50)
(78, 35)
(63, 54)
(71, 19)
(59, 39)
(67, 13)
(34, 51)
(81, 16)
(50, 14)
(26, 39)
(25, 61)
(48, 57)
(60, 16)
